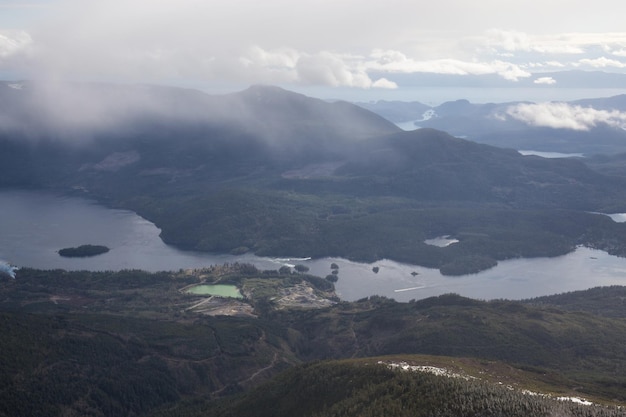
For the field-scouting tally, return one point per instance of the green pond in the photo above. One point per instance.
(219, 290)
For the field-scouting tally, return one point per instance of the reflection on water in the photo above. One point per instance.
(35, 225)
(513, 279)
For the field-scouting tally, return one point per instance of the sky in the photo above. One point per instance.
(333, 49)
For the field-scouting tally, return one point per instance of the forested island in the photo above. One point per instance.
(83, 251)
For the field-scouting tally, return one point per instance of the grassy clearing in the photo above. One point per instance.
(229, 291)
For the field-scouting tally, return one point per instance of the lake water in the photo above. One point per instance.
(35, 225)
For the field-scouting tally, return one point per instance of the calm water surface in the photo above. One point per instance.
(35, 225)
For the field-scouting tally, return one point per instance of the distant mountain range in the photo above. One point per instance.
(590, 126)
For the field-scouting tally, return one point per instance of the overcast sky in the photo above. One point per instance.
(378, 47)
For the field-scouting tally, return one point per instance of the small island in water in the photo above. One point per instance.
(83, 251)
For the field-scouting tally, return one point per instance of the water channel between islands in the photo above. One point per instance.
(35, 225)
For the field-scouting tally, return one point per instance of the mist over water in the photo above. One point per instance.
(35, 225)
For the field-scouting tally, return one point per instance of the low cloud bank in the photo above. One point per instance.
(566, 116)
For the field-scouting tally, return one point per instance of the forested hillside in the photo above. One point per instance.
(371, 388)
(131, 342)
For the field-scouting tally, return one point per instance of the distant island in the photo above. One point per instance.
(83, 251)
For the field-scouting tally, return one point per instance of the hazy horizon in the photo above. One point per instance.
(333, 50)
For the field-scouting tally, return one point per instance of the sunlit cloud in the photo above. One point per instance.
(512, 41)
(602, 62)
(323, 68)
(508, 43)
(565, 116)
(279, 58)
(336, 44)
(286, 65)
(14, 42)
(385, 83)
(326, 68)
(508, 40)
(545, 81)
(397, 62)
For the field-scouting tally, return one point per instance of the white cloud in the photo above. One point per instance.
(396, 62)
(605, 40)
(602, 62)
(546, 66)
(326, 68)
(323, 68)
(385, 83)
(279, 58)
(555, 64)
(509, 71)
(276, 66)
(565, 116)
(14, 42)
(508, 40)
(512, 41)
(326, 42)
(545, 81)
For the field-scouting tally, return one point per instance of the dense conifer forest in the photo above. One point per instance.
(135, 343)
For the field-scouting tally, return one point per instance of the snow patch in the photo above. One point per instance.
(577, 400)
(403, 366)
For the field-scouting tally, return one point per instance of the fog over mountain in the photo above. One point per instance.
(77, 111)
